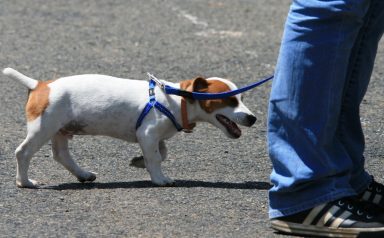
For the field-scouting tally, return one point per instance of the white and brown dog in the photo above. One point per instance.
(94, 104)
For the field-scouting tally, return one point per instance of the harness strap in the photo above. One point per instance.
(153, 103)
(144, 113)
(169, 114)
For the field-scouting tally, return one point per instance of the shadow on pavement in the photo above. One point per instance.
(147, 184)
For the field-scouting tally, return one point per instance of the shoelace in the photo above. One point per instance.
(357, 207)
(376, 187)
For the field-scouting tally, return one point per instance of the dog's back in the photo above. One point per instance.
(85, 104)
(104, 105)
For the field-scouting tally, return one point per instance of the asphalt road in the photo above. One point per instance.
(222, 184)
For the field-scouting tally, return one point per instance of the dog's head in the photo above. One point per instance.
(225, 113)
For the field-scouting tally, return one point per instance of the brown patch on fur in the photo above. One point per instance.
(210, 86)
(187, 85)
(38, 100)
(217, 86)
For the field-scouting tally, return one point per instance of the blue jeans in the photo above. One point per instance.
(315, 137)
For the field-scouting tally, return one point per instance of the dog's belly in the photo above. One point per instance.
(104, 127)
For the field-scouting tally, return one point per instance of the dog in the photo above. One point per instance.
(93, 104)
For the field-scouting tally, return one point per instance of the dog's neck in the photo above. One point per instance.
(186, 112)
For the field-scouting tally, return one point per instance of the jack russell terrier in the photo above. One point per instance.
(93, 104)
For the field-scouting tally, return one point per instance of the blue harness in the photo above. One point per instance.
(193, 95)
(153, 103)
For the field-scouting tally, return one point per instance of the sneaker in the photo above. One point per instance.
(374, 194)
(347, 217)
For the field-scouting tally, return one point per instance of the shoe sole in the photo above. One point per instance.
(310, 230)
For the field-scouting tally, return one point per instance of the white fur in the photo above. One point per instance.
(105, 105)
(28, 82)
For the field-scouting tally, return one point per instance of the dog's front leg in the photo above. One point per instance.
(138, 162)
(153, 159)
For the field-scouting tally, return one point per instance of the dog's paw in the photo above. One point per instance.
(27, 184)
(138, 162)
(87, 177)
(164, 182)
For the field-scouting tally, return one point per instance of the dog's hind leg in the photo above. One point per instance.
(35, 139)
(61, 154)
(24, 153)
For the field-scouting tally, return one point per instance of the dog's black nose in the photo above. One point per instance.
(251, 119)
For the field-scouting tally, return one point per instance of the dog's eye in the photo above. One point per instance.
(233, 102)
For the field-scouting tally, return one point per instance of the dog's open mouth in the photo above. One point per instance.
(231, 127)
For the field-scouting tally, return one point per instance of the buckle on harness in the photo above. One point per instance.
(156, 80)
(151, 92)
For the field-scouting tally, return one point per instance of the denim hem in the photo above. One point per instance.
(308, 205)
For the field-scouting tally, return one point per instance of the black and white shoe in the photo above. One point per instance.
(374, 194)
(347, 217)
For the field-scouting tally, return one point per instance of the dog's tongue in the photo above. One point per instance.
(231, 127)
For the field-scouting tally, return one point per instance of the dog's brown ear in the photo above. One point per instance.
(187, 85)
(200, 84)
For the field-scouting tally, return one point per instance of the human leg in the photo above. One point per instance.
(361, 63)
(311, 165)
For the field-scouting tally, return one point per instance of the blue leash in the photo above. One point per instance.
(206, 96)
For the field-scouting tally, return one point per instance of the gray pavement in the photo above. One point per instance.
(222, 184)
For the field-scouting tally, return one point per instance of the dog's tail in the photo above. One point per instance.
(26, 81)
